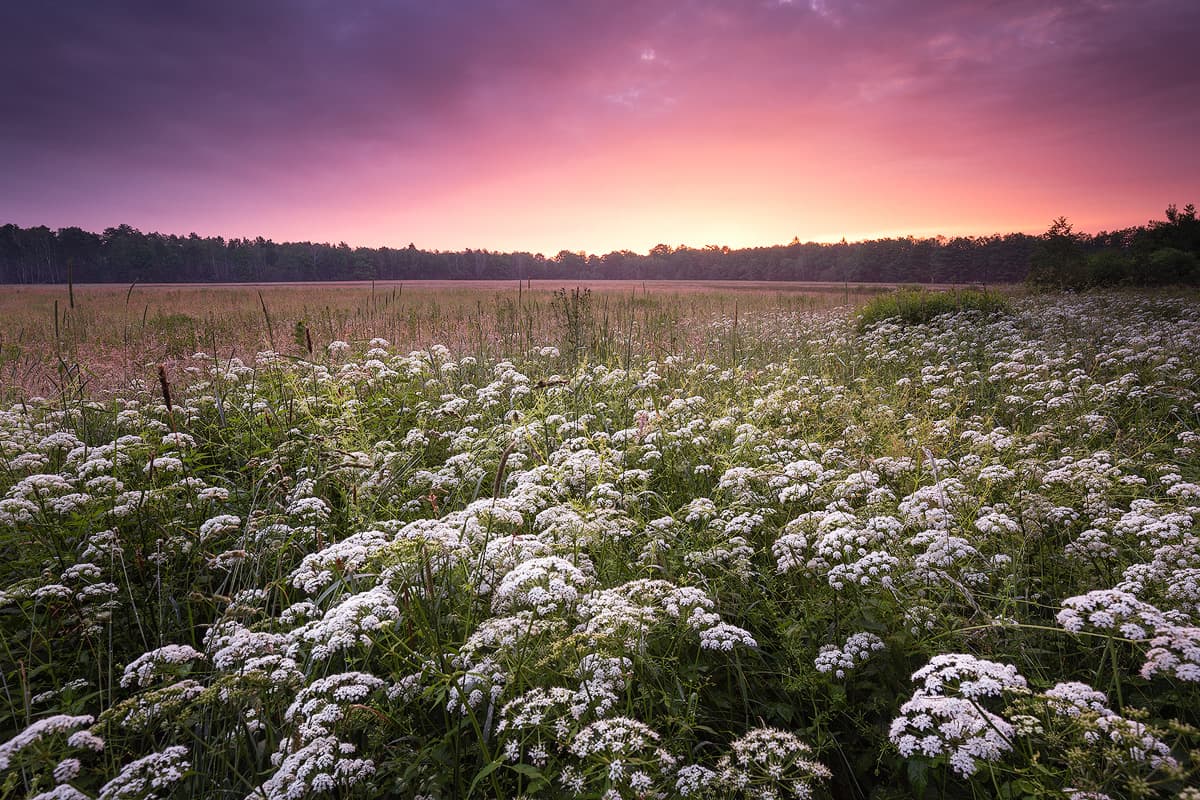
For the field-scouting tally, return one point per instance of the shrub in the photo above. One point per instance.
(916, 306)
(1170, 265)
(1108, 268)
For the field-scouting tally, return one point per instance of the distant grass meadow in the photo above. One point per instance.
(614, 541)
(115, 334)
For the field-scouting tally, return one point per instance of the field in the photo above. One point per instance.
(621, 542)
(109, 336)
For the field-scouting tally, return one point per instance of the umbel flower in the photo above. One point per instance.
(945, 716)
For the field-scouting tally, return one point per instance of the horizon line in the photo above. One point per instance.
(918, 235)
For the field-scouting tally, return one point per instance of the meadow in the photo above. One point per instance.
(102, 337)
(613, 542)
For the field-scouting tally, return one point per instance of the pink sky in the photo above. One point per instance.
(599, 126)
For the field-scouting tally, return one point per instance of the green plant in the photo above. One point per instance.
(573, 313)
(930, 561)
(917, 306)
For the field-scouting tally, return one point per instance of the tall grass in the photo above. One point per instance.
(909, 306)
(117, 334)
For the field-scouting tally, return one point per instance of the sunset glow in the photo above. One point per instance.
(542, 126)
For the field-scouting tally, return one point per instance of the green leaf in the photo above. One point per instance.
(918, 776)
(537, 780)
(487, 770)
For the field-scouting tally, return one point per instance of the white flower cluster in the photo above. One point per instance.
(36, 731)
(723, 636)
(350, 623)
(314, 759)
(147, 668)
(769, 764)
(545, 585)
(553, 710)
(1175, 651)
(635, 610)
(317, 570)
(148, 777)
(616, 736)
(601, 681)
(235, 649)
(320, 766)
(857, 649)
(1111, 611)
(1133, 739)
(847, 551)
(213, 527)
(624, 753)
(968, 676)
(945, 717)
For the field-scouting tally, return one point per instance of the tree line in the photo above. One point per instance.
(1163, 252)
(124, 254)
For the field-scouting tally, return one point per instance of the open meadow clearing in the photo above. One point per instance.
(102, 336)
(621, 542)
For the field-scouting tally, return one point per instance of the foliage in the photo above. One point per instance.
(958, 558)
(915, 306)
(1163, 253)
(574, 316)
(124, 254)
(1058, 258)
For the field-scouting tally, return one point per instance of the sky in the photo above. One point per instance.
(544, 125)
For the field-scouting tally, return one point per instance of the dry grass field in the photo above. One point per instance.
(117, 334)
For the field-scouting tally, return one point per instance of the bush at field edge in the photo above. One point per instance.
(916, 306)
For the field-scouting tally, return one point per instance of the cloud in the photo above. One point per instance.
(133, 104)
(199, 80)
(171, 80)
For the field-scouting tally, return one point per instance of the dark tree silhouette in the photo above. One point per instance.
(1163, 251)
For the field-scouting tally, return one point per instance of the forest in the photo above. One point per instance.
(1160, 252)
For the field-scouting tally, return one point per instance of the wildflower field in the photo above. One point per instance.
(768, 553)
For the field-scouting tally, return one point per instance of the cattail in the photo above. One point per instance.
(166, 387)
(499, 483)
